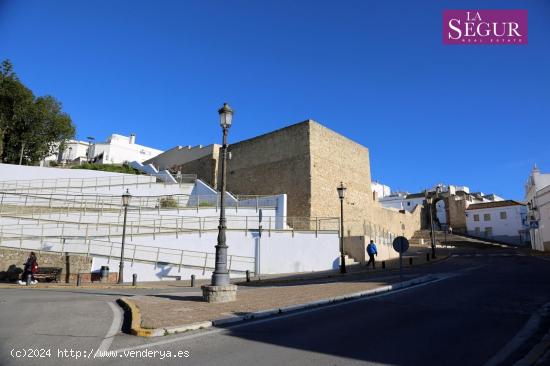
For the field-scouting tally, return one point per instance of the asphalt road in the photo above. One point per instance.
(464, 319)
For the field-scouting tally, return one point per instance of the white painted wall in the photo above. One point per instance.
(401, 203)
(119, 149)
(181, 154)
(506, 230)
(540, 237)
(381, 190)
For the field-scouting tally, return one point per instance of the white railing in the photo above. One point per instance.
(97, 225)
(132, 252)
(71, 183)
(105, 201)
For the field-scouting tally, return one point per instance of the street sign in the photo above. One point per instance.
(400, 244)
(534, 224)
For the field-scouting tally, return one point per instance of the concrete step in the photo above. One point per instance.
(349, 260)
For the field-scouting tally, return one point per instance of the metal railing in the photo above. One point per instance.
(132, 252)
(71, 183)
(96, 225)
(158, 202)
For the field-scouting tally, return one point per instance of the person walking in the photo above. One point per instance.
(31, 267)
(372, 251)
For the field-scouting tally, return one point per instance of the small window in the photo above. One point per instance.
(408, 203)
(488, 231)
(477, 230)
(476, 217)
(503, 215)
(486, 217)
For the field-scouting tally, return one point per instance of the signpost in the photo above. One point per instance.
(400, 245)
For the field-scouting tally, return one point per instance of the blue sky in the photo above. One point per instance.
(375, 71)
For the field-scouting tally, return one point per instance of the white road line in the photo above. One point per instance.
(279, 317)
(528, 329)
(113, 330)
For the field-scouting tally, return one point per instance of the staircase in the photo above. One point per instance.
(349, 260)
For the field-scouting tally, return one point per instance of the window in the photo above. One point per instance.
(486, 217)
(476, 217)
(488, 231)
(503, 215)
(408, 203)
(477, 230)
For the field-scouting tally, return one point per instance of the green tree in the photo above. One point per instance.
(31, 128)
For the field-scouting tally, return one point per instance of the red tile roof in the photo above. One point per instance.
(477, 206)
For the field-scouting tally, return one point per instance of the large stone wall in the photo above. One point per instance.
(206, 168)
(13, 259)
(274, 163)
(336, 159)
(456, 209)
(307, 161)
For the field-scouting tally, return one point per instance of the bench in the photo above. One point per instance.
(48, 274)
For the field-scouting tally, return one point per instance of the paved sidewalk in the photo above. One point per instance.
(161, 314)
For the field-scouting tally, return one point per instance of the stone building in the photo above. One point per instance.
(307, 161)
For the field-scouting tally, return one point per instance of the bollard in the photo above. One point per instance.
(28, 279)
(247, 275)
(134, 279)
(410, 261)
(383, 264)
(427, 257)
(192, 280)
(78, 279)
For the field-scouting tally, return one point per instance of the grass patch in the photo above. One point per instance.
(124, 168)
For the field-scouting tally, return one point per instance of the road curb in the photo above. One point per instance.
(137, 330)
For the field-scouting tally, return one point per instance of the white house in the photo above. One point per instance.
(505, 221)
(380, 190)
(537, 194)
(116, 150)
(119, 149)
(75, 151)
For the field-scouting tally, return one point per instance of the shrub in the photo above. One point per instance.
(168, 202)
(125, 168)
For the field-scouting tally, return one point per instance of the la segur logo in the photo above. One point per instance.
(491, 27)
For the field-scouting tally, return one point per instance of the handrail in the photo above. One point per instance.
(133, 252)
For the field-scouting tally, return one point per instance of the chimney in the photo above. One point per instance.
(132, 139)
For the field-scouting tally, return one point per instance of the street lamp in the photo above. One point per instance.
(220, 277)
(126, 196)
(90, 139)
(430, 200)
(341, 193)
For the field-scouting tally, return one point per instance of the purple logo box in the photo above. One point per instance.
(492, 27)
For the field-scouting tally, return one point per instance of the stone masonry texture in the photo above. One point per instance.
(307, 161)
(70, 264)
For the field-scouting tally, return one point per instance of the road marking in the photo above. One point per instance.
(528, 329)
(488, 255)
(443, 277)
(113, 330)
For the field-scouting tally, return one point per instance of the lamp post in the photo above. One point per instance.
(126, 196)
(90, 140)
(341, 193)
(220, 277)
(429, 200)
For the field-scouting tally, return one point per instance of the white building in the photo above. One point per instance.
(537, 195)
(505, 221)
(75, 151)
(117, 149)
(380, 190)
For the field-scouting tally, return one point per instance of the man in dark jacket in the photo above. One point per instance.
(372, 251)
